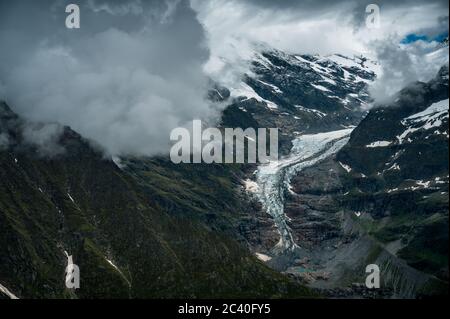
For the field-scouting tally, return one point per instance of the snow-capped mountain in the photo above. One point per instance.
(352, 186)
(405, 142)
(331, 174)
(299, 83)
(300, 93)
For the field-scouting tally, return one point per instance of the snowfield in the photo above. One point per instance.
(430, 118)
(245, 91)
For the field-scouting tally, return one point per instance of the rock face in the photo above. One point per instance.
(300, 94)
(383, 199)
(406, 141)
(404, 184)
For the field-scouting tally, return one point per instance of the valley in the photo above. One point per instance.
(352, 187)
(320, 202)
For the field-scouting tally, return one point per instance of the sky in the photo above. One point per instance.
(137, 69)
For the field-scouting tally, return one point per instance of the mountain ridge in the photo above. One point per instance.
(84, 204)
(147, 228)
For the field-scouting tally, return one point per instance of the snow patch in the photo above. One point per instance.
(320, 87)
(70, 197)
(305, 109)
(379, 144)
(8, 293)
(112, 264)
(263, 257)
(118, 162)
(347, 168)
(436, 108)
(275, 88)
(394, 167)
(118, 270)
(423, 184)
(251, 186)
(430, 118)
(244, 90)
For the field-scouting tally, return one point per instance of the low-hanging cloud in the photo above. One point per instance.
(45, 137)
(403, 65)
(135, 68)
(125, 79)
(4, 141)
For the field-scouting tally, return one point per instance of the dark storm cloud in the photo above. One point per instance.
(126, 78)
(135, 68)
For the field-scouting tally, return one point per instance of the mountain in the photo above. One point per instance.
(397, 163)
(381, 199)
(301, 93)
(406, 140)
(191, 227)
(127, 242)
(352, 187)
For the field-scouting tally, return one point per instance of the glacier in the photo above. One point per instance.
(273, 178)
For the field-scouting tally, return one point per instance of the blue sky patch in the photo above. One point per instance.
(413, 37)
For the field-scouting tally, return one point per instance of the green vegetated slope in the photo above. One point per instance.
(167, 236)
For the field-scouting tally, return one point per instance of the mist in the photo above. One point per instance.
(326, 27)
(126, 78)
(137, 69)
(402, 65)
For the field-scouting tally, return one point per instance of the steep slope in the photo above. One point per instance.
(300, 93)
(382, 199)
(400, 153)
(126, 243)
(145, 227)
(292, 92)
(377, 200)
